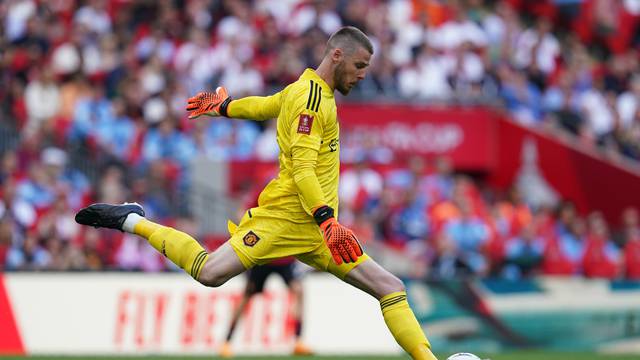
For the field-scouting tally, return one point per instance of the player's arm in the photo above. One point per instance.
(306, 137)
(221, 104)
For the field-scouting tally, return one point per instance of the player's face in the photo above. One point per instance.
(351, 70)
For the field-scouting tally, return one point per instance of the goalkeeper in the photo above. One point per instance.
(297, 212)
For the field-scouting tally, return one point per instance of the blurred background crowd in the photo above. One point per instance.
(92, 109)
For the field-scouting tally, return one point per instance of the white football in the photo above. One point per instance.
(463, 356)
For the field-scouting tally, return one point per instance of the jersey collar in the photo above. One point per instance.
(310, 74)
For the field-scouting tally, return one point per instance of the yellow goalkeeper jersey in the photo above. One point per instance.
(308, 137)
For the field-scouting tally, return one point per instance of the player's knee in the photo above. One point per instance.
(396, 284)
(212, 279)
(391, 284)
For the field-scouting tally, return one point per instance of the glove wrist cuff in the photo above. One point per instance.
(224, 106)
(323, 214)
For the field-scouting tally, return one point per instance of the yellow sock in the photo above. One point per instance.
(177, 246)
(405, 328)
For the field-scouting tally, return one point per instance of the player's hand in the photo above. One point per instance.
(208, 103)
(342, 242)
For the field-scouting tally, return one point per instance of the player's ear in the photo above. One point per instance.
(336, 55)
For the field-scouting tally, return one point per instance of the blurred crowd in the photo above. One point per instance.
(92, 109)
(427, 220)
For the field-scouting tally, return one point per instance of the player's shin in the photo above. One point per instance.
(179, 247)
(405, 327)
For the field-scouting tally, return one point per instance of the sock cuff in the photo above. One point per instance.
(197, 264)
(130, 222)
(392, 299)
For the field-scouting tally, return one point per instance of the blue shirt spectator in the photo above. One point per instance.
(228, 139)
(91, 114)
(165, 142)
(469, 233)
(523, 254)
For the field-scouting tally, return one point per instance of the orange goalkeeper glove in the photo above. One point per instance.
(208, 103)
(342, 242)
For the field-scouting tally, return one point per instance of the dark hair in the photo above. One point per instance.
(346, 38)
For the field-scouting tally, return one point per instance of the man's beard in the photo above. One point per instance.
(338, 79)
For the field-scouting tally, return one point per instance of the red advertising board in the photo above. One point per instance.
(466, 135)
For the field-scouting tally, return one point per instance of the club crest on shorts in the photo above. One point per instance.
(250, 238)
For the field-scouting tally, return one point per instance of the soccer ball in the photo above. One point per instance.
(463, 356)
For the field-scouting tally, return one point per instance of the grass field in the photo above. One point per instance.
(538, 355)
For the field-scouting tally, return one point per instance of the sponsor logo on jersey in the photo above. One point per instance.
(333, 145)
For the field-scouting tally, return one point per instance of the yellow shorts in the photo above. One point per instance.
(263, 236)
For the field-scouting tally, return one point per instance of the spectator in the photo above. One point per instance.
(94, 16)
(30, 255)
(439, 184)
(42, 97)
(601, 256)
(469, 233)
(563, 254)
(408, 221)
(628, 104)
(521, 97)
(537, 51)
(359, 185)
(447, 261)
(166, 142)
(523, 254)
(629, 238)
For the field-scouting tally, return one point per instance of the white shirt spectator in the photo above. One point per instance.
(546, 55)
(94, 17)
(471, 69)
(65, 59)
(42, 98)
(407, 83)
(454, 33)
(628, 103)
(354, 180)
(233, 29)
(17, 15)
(155, 110)
(152, 77)
(410, 36)
(432, 80)
(91, 59)
(198, 61)
(599, 116)
(428, 80)
(307, 17)
(280, 10)
(495, 29)
(632, 7)
(267, 148)
(156, 45)
(242, 80)
(627, 106)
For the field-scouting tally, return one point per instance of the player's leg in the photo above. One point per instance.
(183, 250)
(256, 278)
(367, 275)
(373, 279)
(294, 284)
(221, 266)
(295, 287)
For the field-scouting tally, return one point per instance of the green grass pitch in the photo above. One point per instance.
(534, 355)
